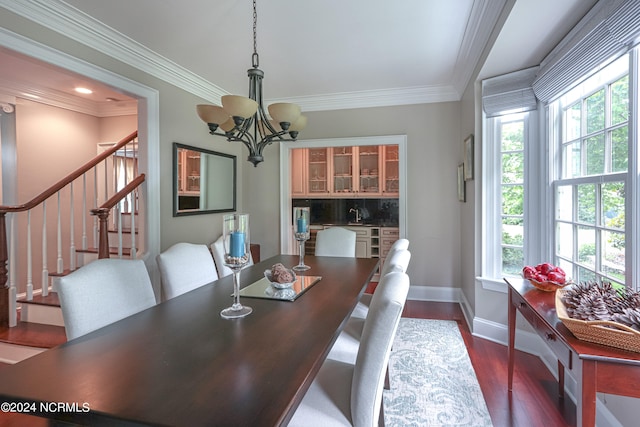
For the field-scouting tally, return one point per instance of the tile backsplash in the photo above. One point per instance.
(382, 212)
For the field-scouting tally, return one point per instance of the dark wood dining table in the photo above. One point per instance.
(181, 364)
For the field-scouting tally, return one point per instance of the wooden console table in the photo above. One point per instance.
(597, 368)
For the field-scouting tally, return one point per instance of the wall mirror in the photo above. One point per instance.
(204, 181)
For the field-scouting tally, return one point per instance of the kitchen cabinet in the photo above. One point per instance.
(363, 240)
(188, 173)
(345, 171)
(391, 171)
(369, 168)
(310, 172)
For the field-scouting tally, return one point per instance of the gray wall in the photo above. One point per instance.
(434, 143)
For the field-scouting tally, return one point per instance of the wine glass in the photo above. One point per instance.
(235, 231)
(301, 223)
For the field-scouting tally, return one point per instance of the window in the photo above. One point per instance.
(591, 126)
(505, 228)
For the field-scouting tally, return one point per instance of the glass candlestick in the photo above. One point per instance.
(301, 225)
(235, 231)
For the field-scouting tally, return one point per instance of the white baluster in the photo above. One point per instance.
(13, 305)
(45, 271)
(133, 223)
(60, 261)
(84, 211)
(119, 219)
(72, 232)
(95, 205)
(29, 259)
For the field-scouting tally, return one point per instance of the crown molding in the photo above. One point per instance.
(475, 38)
(374, 98)
(33, 92)
(75, 24)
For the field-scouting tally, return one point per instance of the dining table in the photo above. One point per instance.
(180, 363)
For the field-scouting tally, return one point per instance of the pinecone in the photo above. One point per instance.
(629, 317)
(597, 301)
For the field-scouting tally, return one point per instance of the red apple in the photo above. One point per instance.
(528, 272)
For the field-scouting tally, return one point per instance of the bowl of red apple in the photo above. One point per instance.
(545, 276)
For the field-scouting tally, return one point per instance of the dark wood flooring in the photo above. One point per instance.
(534, 401)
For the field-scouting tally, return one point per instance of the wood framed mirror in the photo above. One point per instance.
(204, 181)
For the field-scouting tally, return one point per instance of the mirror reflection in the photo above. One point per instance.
(204, 181)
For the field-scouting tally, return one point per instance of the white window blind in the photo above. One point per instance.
(610, 28)
(509, 93)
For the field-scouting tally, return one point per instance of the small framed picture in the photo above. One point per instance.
(462, 196)
(468, 158)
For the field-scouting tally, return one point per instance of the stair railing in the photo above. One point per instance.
(103, 214)
(8, 241)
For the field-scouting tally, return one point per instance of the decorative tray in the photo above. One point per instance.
(603, 332)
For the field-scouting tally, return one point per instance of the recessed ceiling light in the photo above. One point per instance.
(84, 90)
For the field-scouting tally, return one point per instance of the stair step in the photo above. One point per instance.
(113, 251)
(125, 230)
(51, 300)
(33, 335)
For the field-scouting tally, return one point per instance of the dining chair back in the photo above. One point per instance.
(217, 249)
(396, 261)
(185, 267)
(350, 394)
(377, 338)
(336, 241)
(400, 244)
(102, 292)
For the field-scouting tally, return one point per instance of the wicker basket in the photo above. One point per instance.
(603, 332)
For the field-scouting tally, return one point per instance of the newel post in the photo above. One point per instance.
(103, 234)
(4, 273)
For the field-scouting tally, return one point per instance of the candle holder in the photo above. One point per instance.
(301, 217)
(235, 231)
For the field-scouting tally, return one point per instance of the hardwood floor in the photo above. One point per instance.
(534, 401)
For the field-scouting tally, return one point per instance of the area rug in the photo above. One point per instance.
(432, 380)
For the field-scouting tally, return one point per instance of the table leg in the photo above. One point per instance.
(588, 411)
(512, 339)
(560, 380)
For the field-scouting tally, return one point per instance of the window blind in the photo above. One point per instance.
(509, 93)
(610, 29)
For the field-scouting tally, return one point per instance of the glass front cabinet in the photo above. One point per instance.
(365, 171)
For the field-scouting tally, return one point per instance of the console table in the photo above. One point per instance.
(597, 368)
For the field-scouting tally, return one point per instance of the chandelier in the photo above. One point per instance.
(244, 119)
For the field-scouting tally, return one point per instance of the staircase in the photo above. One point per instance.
(30, 316)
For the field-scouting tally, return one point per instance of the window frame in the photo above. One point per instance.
(555, 125)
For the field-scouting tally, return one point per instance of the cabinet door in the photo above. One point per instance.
(318, 171)
(369, 170)
(189, 173)
(342, 171)
(299, 172)
(363, 248)
(391, 171)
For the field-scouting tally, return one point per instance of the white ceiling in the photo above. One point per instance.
(319, 53)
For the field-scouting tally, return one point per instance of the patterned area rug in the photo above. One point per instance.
(432, 380)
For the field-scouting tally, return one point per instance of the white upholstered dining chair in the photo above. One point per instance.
(336, 241)
(346, 394)
(102, 292)
(217, 249)
(346, 346)
(397, 260)
(185, 267)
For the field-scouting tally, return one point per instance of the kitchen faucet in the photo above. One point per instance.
(357, 211)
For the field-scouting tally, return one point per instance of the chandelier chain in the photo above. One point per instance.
(254, 57)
